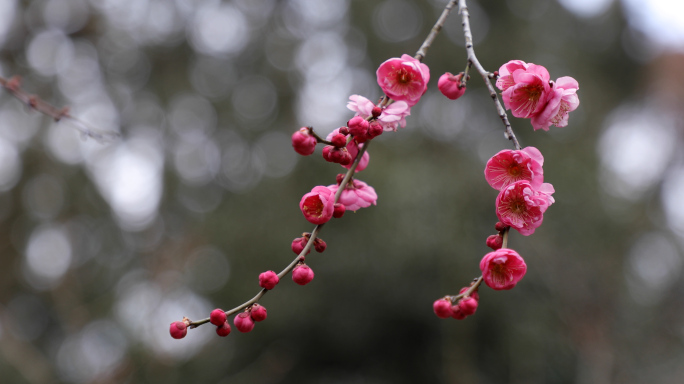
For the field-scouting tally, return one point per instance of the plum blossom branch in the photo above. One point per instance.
(472, 59)
(300, 256)
(13, 86)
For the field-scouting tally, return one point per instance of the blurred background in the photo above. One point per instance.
(104, 244)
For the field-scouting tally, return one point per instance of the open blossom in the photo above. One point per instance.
(562, 99)
(502, 269)
(361, 105)
(353, 149)
(527, 88)
(318, 205)
(505, 79)
(403, 79)
(509, 166)
(355, 196)
(522, 207)
(392, 116)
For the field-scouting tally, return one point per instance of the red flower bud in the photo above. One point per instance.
(339, 141)
(303, 142)
(339, 210)
(375, 129)
(442, 308)
(495, 242)
(243, 322)
(320, 245)
(467, 306)
(258, 312)
(217, 317)
(302, 274)
(178, 330)
(268, 279)
(223, 330)
(457, 313)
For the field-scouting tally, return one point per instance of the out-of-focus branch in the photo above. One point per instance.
(13, 86)
(422, 52)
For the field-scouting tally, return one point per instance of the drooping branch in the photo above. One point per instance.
(486, 76)
(422, 51)
(13, 86)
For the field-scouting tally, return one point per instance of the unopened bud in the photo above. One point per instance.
(495, 242)
(320, 245)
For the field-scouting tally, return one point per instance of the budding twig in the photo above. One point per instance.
(465, 17)
(13, 86)
(300, 256)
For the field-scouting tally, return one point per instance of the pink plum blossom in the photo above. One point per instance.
(562, 99)
(318, 205)
(362, 106)
(353, 149)
(450, 87)
(355, 196)
(394, 115)
(391, 117)
(502, 269)
(522, 207)
(530, 88)
(403, 79)
(509, 166)
(505, 79)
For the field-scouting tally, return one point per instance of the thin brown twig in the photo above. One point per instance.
(422, 51)
(472, 58)
(13, 86)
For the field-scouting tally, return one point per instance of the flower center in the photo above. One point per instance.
(404, 76)
(515, 169)
(313, 206)
(534, 93)
(518, 205)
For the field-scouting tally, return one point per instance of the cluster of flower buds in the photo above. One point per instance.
(496, 241)
(299, 243)
(338, 151)
(463, 307)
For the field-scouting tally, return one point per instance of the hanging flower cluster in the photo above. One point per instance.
(517, 175)
(527, 90)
